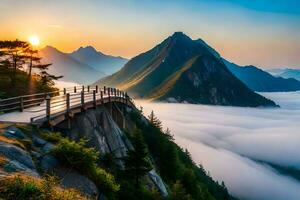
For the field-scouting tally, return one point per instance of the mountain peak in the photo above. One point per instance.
(180, 35)
(88, 48)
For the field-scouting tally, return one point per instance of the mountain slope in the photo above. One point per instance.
(286, 73)
(181, 69)
(99, 61)
(71, 69)
(261, 81)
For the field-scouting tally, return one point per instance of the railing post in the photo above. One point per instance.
(21, 104)
(94, 98)
(82, 88)
(82, 98)
(104, 89)
(101, 96)
(108, 90)
(96, 88)
(65, 91)
(68, 103)
(48, 107)
(75, 89)
(88, 88)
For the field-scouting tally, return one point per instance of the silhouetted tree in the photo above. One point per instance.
(13, 56)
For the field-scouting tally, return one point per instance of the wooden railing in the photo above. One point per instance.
(63, 101)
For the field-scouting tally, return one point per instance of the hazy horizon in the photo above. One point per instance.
(261, 33)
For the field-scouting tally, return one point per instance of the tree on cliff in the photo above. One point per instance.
(136, 161)
(17, 61)
(154, 120)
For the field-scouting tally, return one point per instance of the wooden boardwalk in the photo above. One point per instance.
(55, 107)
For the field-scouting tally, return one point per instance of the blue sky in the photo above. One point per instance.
(260, 32)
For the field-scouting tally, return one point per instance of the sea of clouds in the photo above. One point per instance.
(228, 141)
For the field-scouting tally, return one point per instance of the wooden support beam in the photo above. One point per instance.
(75, 89)
(48, 107)
(21, 104)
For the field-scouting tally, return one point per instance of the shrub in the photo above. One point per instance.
(23, 187)
(54, 137)
(76, 155)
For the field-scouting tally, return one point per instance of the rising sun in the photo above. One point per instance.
(34, 40)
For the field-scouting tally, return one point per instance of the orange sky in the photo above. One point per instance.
(127, 28)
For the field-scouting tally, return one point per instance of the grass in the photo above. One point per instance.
(12, 141)
(3, 160)
(23, 187)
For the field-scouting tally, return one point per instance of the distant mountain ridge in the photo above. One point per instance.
(97, 60)
(286, 73)
(180, 69)
(261, 81)
(71, 69)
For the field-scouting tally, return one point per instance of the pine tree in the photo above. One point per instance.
(136, 161)
(154, 120)
(179, 193)
(13, 56)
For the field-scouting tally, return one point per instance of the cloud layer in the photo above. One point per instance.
(226, 140)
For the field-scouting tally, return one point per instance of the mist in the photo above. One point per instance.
(228, 142)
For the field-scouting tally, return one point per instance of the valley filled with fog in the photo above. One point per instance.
(253, 150)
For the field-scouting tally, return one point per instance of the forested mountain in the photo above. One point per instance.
(183, 70)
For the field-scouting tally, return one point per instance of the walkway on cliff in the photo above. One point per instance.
(58, 105)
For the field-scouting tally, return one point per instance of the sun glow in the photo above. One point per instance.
(34, 40)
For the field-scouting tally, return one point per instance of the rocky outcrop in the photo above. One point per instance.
(101, 131)
(72, 179)
(18, 159)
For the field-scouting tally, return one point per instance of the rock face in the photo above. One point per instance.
(101, 131)
(72, 179)
(183, 70)
(104, 134)
(19, 160)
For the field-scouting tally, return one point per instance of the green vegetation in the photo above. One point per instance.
(23, 187)
(136, 162)
(53, 137)
(187, 180)
(77, 156)
(17, 63)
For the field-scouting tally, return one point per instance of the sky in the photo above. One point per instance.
(228, 141)
(264, 33)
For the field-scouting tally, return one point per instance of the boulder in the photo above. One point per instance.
(14, 132)
(13, 152)
(72, 179)
(15, 166)
(48, 163)
(48, 147)
(39, 142)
